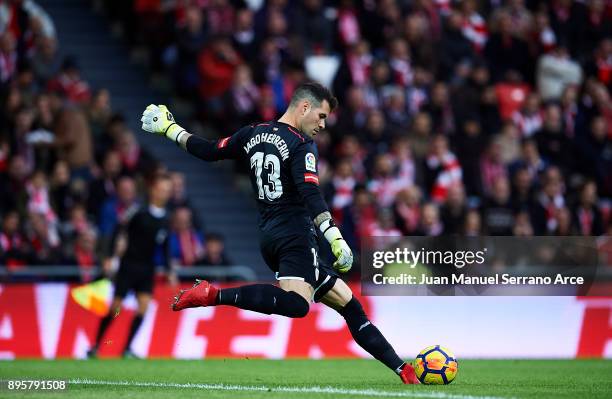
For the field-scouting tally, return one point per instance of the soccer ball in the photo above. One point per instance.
(435, 365)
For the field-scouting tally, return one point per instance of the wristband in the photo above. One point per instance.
(330, 231)
(173, 132)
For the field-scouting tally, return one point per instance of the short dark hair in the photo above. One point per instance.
(314, 92)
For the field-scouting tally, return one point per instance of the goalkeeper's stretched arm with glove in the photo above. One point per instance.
(157, 119)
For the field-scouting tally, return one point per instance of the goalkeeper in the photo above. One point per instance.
(283, 170)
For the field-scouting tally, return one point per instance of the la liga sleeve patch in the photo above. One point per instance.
(311, 162)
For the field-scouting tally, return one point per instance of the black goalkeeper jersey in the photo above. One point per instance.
(283, 173)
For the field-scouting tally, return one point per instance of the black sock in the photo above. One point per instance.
(368, 336)
(133, 328)
(264, 298)
(104, 324)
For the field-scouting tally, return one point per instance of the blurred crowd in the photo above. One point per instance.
(71, 170)
(456, 116)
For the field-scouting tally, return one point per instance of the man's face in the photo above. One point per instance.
(126, 190)
(161, 191)
(312, 119)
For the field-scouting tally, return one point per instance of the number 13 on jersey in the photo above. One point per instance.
(272, 188)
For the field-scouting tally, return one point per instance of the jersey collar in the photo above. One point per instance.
(295, 130)
(157, 212)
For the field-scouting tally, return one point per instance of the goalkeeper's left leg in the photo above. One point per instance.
(262, 298)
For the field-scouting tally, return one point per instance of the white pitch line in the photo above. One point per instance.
(262, 388)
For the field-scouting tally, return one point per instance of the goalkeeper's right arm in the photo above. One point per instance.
(157, 119)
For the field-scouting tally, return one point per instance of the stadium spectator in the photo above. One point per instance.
(70, 84)
(511, 92)
(569, 108)
(595, 152)
(530, 159)
(14, 252)
(386, 182)
(116, 209)
(190, 38)
(39, 202)
(245, 38)
(241, 99)
(470, 144)
(563, 223)
(474, 26)
(60, 192)
(339, 190)
(316, 30)
(359, 217)
(384, 227)
(375, 136)
(114, 128)
(498, 214)
(492, 166)
(542, 36)
(354, 73)
(83, 254)
(395, 111)
(44, 240)
(440, 110)
(186, 243)
(407, 210)
(8, 55)
(421, 134)
(442, 169)
(456, 47)
(214, 252)
(430, 225)
(46, 61)
(216, 65)
(473, 224)
(522, 225)
(44, 112)
(552, 142)
(104, 186)
(556, 70)
(135, 160)
(352, 117)
(99, 112)
(454, 210)
(550, 199)
(13, 185)
(529, 118)
(586, 214)
(508, 140)
(74, 141)
(523, 187)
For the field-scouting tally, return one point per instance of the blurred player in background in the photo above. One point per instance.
(283, 162)
(146, 230)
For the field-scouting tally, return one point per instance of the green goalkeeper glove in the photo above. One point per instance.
(158, 120)
(343, 254)
(339, 247)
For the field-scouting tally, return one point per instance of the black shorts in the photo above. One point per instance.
(296, 257)
(135, 278)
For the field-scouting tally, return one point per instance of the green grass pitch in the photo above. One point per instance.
(272, 379)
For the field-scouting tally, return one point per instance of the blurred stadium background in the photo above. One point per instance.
(456, 117)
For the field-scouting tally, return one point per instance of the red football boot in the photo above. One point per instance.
(201, 294)
(407, 374)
